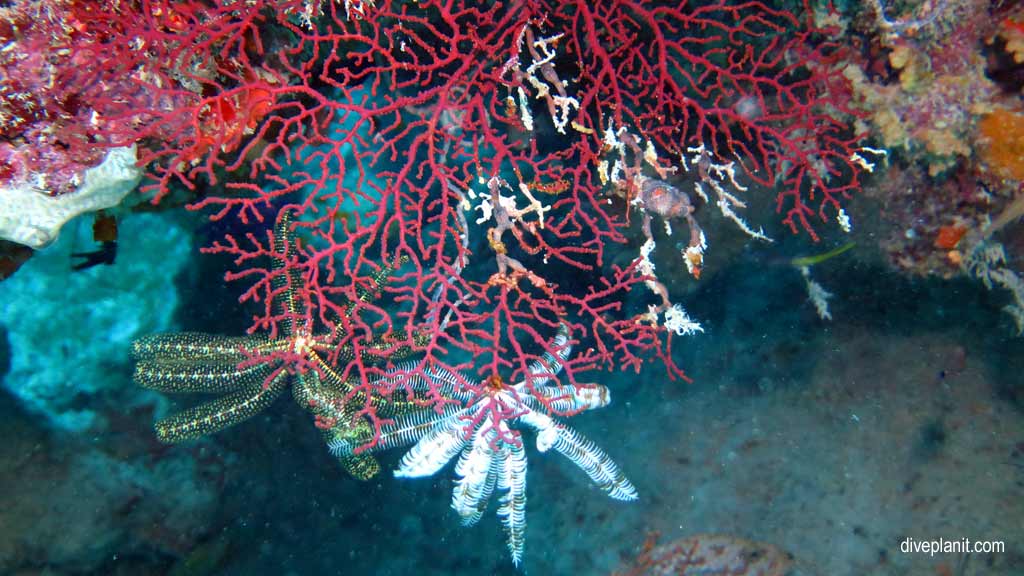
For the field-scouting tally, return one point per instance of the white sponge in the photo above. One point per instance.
(31, 217)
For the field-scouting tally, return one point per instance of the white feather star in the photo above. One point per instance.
(491, 454)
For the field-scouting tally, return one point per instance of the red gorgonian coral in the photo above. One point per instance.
(492, 153)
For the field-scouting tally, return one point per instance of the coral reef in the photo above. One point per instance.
(514, 171)
(55, 160)
(442, 217)
(940, 85)
(923, 91)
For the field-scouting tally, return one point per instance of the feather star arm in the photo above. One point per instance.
(512, 507)
(583, 453)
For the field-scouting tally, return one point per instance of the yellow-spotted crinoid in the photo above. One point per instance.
(249, 372)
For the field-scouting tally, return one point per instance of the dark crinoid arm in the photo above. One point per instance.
(189, 362)
(325, 398)
(205, 363)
